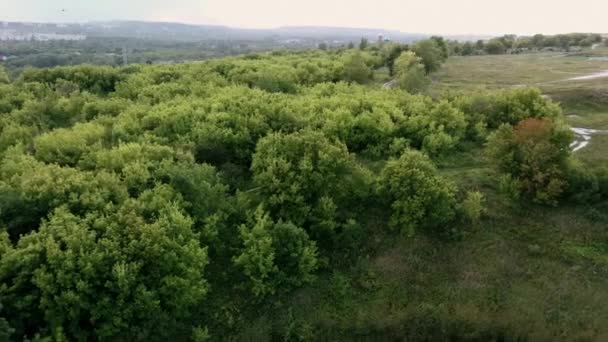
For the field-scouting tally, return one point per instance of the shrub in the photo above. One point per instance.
(583, 185)
(419, 198)
(535, 154)
(355, 69)
(134, 272)
(305, 178)
(275, 255)
(410, 73)
(472, 206)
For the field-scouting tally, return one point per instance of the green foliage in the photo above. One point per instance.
(31, 190)
(583, 184)
(276, 255)
(431, 54)
(99, 80)
(495, 47)
(68, 146)
(410, 73)
(472, 206)
(363, 44)
(442, 45)
(534, 155)
(488, 110)
(4, 79)
(419, 198)
(305, 178)
(5, 329)
(355, 69)
(183, 202)
(134, 272)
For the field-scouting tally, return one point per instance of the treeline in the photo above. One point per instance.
(179, 202)
(109, 51)
(514, 44)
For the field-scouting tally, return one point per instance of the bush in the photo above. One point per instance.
(472, 206)
(68, 146)
(355, 69)
(305, 178)
(534, 154)
(583, 185)
(95, 79)
(133, 272)
(410, 73)
(276, 255)
(419, 198)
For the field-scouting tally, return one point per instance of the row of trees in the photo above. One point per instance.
(169, 202)
(515, 44)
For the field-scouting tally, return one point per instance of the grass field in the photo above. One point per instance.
(585, 102)
(521, 274)
(545, 70)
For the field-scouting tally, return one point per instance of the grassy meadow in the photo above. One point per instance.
(584, 102)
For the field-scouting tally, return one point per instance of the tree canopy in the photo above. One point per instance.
(176, 202)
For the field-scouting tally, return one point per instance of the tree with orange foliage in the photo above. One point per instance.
(534, 157)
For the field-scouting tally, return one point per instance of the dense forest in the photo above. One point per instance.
(183, 202)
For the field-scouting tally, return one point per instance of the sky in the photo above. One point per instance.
(424, 16)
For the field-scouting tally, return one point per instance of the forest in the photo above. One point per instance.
(205, 201)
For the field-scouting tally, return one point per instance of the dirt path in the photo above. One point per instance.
(389, 84)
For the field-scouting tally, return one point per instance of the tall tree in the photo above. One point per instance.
(410, 72)
(363, 44)
(430, 53)
(355, 69)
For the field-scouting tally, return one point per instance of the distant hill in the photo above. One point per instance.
(187, 32)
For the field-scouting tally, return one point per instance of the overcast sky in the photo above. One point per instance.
(428, 16)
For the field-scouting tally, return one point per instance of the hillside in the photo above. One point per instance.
(188, 32)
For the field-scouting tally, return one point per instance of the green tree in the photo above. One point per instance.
(410, 72)
(363, 44)
(495, 47)
(472, 206)
(467, 49)
(445, 52)
(304, 178)
(355, 69)
(430, 53)
(275, 255)
(68, 146)
(418, 196)
(132, 273)
(534, 155)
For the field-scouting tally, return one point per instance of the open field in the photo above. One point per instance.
(544, 70)
(585, 102)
